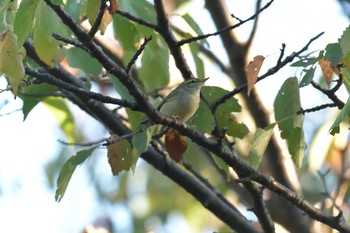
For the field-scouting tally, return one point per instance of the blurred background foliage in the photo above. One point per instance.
(151, 199)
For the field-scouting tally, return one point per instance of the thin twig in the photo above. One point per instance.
(69, 41)
(330, 94)
(255, 26)
(115, 138)
(79, 91)
(201, 37)
(270, 72)
(137, 54)
(317, 108)
(94, 143)
(98, 20)
(136, 19)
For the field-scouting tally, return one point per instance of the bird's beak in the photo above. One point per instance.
(203, 80)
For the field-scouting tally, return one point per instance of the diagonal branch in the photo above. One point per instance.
(45, 77)
(201, 37)
(98, 20)
(280, 64)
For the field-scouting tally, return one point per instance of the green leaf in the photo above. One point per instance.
(121, 89)
(347, 79)
(305, 62)
(154, 71)
(296, 146)
(24, 20)
(222, 165)
(259, 144)
(195, 27)
(68, 170)
(76, 9)
(127, 33)
(61, 112)
(234, 129)
(92, 7)
(197, 60)
(11, 59)
(202, 120)
(29, 102)
(134, 118)
(286, 105)
(7, 14)
(80, 59)
(333, 54)
(309, 75)
(346, 61)
(140, 8)
(47, 22)
(345, 112)
(141, 141)
(344, 41)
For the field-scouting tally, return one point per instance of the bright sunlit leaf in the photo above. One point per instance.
(252, 72)
(68, 170)
(24, 19)
(7, 14)
(11, 59)
(47, 22)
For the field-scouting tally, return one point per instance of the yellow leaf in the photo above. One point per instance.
(252, 72)
(175, 144)
(11, 59)
(119, 155)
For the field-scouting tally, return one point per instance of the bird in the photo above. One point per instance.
(183, 101)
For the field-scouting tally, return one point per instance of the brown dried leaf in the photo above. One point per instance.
(113, 6)
(252, 72)
(119, 156)
(175, 144)
(106, 19)
(327, 70)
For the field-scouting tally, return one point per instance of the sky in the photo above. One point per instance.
(26, 202)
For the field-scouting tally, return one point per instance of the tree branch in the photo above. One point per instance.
(201, 37)
(280, 64)
(45, 77)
